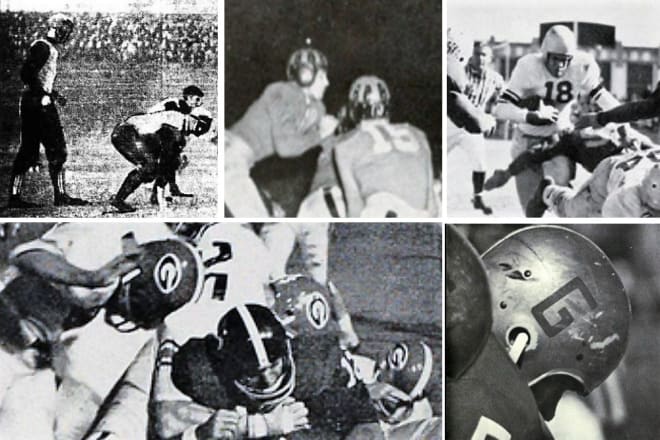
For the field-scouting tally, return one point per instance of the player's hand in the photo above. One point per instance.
(587, 120)
(497, 180)
(46, 101)
(184, 163)
(388, 400)
(545, 115)
(288, 417)
(328, 125)
(491, 123)
(222, 425)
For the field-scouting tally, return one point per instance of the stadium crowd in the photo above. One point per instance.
(169, 38)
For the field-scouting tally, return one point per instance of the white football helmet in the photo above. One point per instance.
(60, 28)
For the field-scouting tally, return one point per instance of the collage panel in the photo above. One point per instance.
(332, 109)
(122, 96)
(551, 331)
(552, 109)
(220, 330)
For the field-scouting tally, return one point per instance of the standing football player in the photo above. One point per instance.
(286, 120)
(192, 98)
(40, 120)
(153, 143)
(383, 169)
(483, 88)
(557, 76)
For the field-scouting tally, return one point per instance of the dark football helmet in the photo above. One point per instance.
(304, 64)
(301, 304)
(560, 289)
(467, 303)
(170, 274)
(257, 347)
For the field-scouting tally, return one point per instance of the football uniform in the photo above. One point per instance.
(492, 401)
(320, 382)
(531, 78)
(387, 167)
(282, 121)
(613, 189)
(175, 104)
(89, 352)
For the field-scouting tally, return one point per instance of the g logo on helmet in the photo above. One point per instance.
(318, 310)
(168, 273)
(398, 357)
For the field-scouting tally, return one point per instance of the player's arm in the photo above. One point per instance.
(624, 202)
(465, 115)
(35, 61)
(343, 161)
(294, 129)
(631, 111)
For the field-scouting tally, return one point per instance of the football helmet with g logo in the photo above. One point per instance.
(301, 304)
(467, 303)
(304, 64)
(170, 274)
(368, 98)
(560, 289)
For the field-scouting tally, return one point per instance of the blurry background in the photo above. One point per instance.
(399, 41)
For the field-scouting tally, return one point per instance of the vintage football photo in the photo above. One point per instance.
(108, 108)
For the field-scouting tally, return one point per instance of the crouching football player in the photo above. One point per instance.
(153, 143)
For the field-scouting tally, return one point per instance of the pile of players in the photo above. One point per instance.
(368, 167)
(540, 316)
(153, 141)
(173, 332)
(554, 96)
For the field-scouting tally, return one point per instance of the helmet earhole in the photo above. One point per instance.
(503, 305)
(579, 357)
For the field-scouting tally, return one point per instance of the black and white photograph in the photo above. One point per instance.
(220, 330)
(553, 109)
(121, 95)
(333, 108)
(552, 332)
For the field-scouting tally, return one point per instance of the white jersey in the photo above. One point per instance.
(531, 78)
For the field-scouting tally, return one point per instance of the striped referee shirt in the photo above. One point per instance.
(483, 87)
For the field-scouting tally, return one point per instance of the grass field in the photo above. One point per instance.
(504, 200)
(99, 97)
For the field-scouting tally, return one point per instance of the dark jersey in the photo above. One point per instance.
(492, 401)
(203, 374)
(40, 67)
(459, 108)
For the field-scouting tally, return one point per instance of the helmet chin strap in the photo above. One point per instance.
(518, 347)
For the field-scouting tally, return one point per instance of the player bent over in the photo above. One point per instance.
(153, 143)
(192, 98)
(383, 169)
(40, 120)
(286, 120)
(557, 75)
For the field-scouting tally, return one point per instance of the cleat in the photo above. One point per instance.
(178, 193)
(536, 206)
(16, 202)
(478, 203)
(121, 206)
(66, 200)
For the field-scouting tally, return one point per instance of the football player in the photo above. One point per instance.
(462, 113)
(51, 303)
(250, 380)
(626, 185)
(628, 112)
(558, 74)
(560, 309)
(192, 98)
(40, 120)
(153, 143)
(483, 88)
(286, 120)
(383, 169)
(486, 395)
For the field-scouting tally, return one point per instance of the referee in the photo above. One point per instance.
(483, 88)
